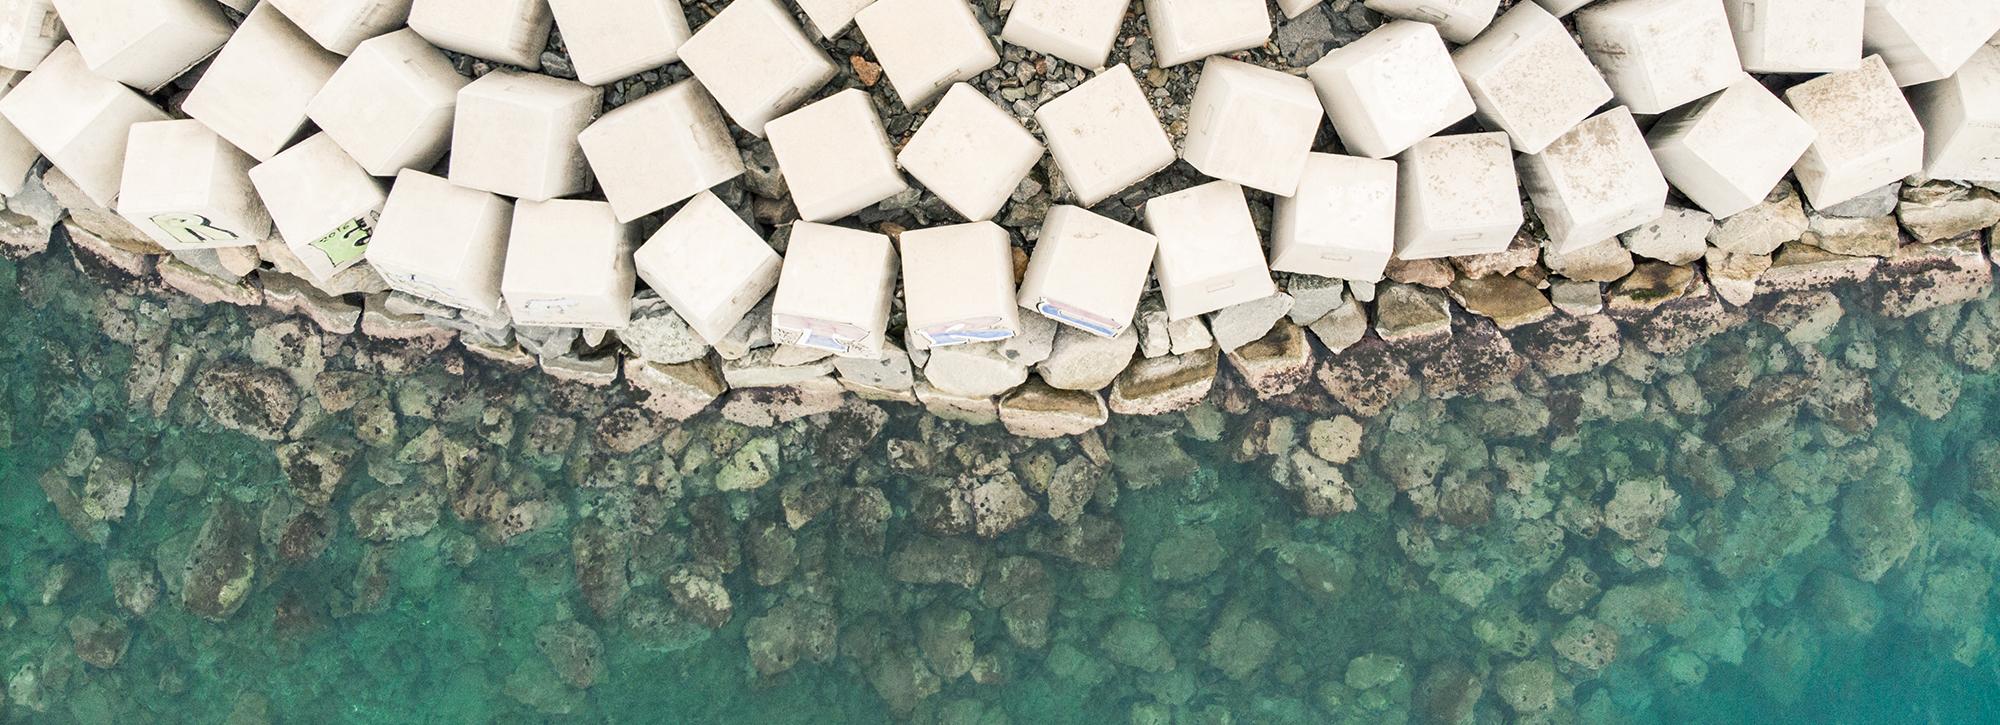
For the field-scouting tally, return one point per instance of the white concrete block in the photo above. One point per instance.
(256, 91)
(391, 103)
(17, 154)
(1867, 134)
(835, 290)
(78, 119)
(444, 243)
(1341, 224)
(830, 18)
(657, 151)
(709, 265)
(1078, 31)
(1796, 36)
(971, 153)
(186, 188)
(836, 156)
(756, 62)
(1660, 54)
(1209, 256)
(340, 25)
(1727, 151)
(29, 31)
(1251, 125)
(958, 284)
(515, 134)
(1927, 40)
(1595, 182)
(1087, 271)
(1392, 88)
(1190, 30)
(924, 46)
(1459, 21)
(1295, 8)
(1560, 8)
(144, 44)
(503, 31)
(1456, 196)
(1528, 77)
(1104, 135)
(569, 264)
(1961, 118)
(324, 205)
(612, 39)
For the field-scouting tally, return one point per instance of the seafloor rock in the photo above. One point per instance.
(100, 639)
(1187, 553)
(1365, 378)
(1921, 277)
(1240, 644)
(1942, 210)
(795, 631)
(1927, 385)
(933, 560)
(1163, 385)
(1479, 357)
(1529, 687)
(752, 466)
(1448, 693)
(766, 407)
(1763, 228)
(1020, 588)
(700, 593)
(315, 469)
(394, 513)
(1322, 490)
(1878, 521)
(1586, 644)
(1335, 440)
(573, 650)
(221, 567)
(1037, 410)
(1093, 541)
(1138, 643)
(1637, 507)
(134, 585)
(257, 403)
(999, 505)
(944, 635)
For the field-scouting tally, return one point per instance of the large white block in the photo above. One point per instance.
(144, 44)
(1727, 151)
(340, 25)
(1104, 135)
(1078, 31)
(1341, 224)
(924, 46)
(657, 151)
(1459, 21)
(391, 103)
(1529, 78)
(1190, 30)
(1456, 196)
(515, 134)
(186, 188)
(835, 290)
(256, 91)
(709, 265)
(1209, 256)
(1561, 8)
(1927, 40)
(611, 39)
(1595, 182)
(505, 31)
(958, 284)
(1961, 117)
(756, 62)
(1087, 271)
(569, 264)
(831, 17)
(1251, 125)
(444, 243)
(1867, 134)
(971, 153)
(29, 30)
(1796, 36)
(835, 156)
(78, 119)
(324, 205)
(1660, 54)
(17, 154)
(1392, 88)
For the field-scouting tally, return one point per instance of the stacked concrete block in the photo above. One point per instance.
(17, 153)
(569, 264)
(1866, 134)
(515, 134)
(443, 243)
(924, 46)
(1927, 40)
(144, 44)
(1251, 125)
(1209, 255)
(1078, 31)
(958, 284)
(1560, 8)
(971, 153)
(1087, 271)
(830, 18)
(340, 25)
(1104, 136)
(835, 291)
(709, 265)
(1529, 78)
(657, 151)
(324, 205)
(756, 62)
(836, 156)
(1660, 54)
(1961, 118)
(1796, 36)
(1390, 89)
(391, 103)
(29, 31)
(1726, 152)
(1456, 196)
(1595, 182)
(187, 188)
(1190, 30)
(505, 31)
(257, 90)
(78, 119)
(612, 39)
(1342, 223)
(1459, 21)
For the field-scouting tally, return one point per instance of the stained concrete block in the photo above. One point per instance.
(1796, 36)
(1251, 125)
(659, 150)
(78, 119)
(1529, 78)
(17, 154)
(755, 61)
(1390, 89)
(144, 44)
(971, 153)
(612, 39)
(1459, 21)
(1660, 54)
(958, 284)
(256, 91)
(1209, 256)
(569, 264)
(1456, 196)
(1341, 224)
(1560, 8)
(515, 134)
(832, 17)
(924, 46)
(507, 31)
(1078, 31)
(1927, 40)
(709, 265)
(1104, 135)
(443, 243)
(1189, 30)
(1594, 182)
(1867, 134)
(1726, 152)
(390, 104)
(1087, 271)
(835, 290)
(1961, 119)
(29, 31)
(186, 188)
(340, 25)
(836, 156)
(324, 205)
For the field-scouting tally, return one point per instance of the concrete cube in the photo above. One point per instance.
(612, 39)
(1190, 30)
(569, 264)
(1529, 78)
(391, 103)
(1560, 8)
(835, 290)
(340, 25)
(1078, 31)
(78, 119)
(971, 153)
(1392, 88)
(505, 31)
(1456, 196)
(657, 151)
(1087, 271)
(924, 46)
(830, 18)
(1796, 36)
(1459, 21)
(1104, 136)
(1961, 117)
(1867, 136)
(1209, 256)
(515, 134)
(709, 265)
(958, 284)
(324, 205)
(29, 30)
(1595, 182)
(256, 91)
(186, 188)
(1660, 54)
(17, 153)
(836, 156)
(1251, 125)
(1927, 40)
(443, 243)
(144, 44)
(756, 62)
(1341, 224)
(1726, 152)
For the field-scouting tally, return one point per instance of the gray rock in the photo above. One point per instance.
(1406, 312)
(752, 333)
(1943, 210)
(892, 372)
(676, 391)
(1037, 410)
(1083, 361)
(1033, 343)
(1855, 237)
(1241, 324)
(1879, 202)
(1363, 291)
(977, 370)
(1165, 384)
(1680, 236)
(1189, 335)
(1763, 228)
(972, 409)
(759, 370)
(1313, 297)
(1604, 261)
(658, 334)
(1577, 298)
(1342, 327)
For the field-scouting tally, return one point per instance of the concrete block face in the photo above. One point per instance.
(1209, 255)
(830, 18)
(1529, 78)
(17, 154)
(29, 31)
(325, 206)
(569, 264)
(80, 120)
(1595, 182)
(1190, 30)
(505, 31)
(186, 188)
(1927, 40)
(256, 91)
(709, 265)
(1726, 152)
(958, 284)
(390, 105)
(1078, 31)
(1961, 119)
(657, 151)
(835, 291)
(1660, 54)
(144, 44)
(1456, 196)
(1104, 135)
(1087, 271)
(1560, 8)
(1251, 125)
(1390, 89)
(1867, 136)
(340, 25)
(971, 153)
(756, 62)
(612, 39)
(835, 156)
(924, 46)
(1341, 224)
(1459, 21)
(444, 243)
(1796, 36)
(515, 134)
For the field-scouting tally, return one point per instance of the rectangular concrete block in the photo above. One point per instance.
(1087, 271)
(1104, 135)
(29, 31)
(80, 120)
(324, 205)
(256, 91)
(924, 46)
(1390, 89)
(659, 150)
(506, 31)
(1927, 40)
(1529, 78)
(1190, 30)
(1727, 151)
(836, 156)
(390, 105)
(144, 44)
(612, 39)
(1595, 182)
(1251, 125)
(17, 154)
(569, 264)
(1341, 224)
(755, 61)
(835, 291)
(186, 188)
(515, 134)
(1867, 136)
(709, 265)
(444, 243)
(1456, 196)
(830, 18)
(1209, 255)
(1796, 36)
(340, 25)
(958, 284)
(1560, 8)
(1459, 21)
(1078, 31)
(971, 153)
(1660, 54)
(1961, 119)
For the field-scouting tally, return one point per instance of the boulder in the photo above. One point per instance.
(1507, 301)
(1277, 364)
(1409, 314)
(676, 391)
(1650, 286)
(1921, 277)
(976, 370)
(1164, 385)
(1763, 228)
(1240, 324)
(1680, 236)
(221, 568)
(766, 407)
(971, 409)
(1735, 276)
(893, 372)
(1604, 261)
(1562, 346)
(256, 402)
(1366, 377)
(1854, 237)
(658, 334)
(1798, 267)
(760, 369)
(1942, 210)
(1342, 327)
(1037, 410)
(1084, 361)
(1576, 298)
(1313, 296)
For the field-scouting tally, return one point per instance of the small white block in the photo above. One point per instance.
(958, 284)
(831, 17)
(1190, 30)
(514, 134)
(443, 243)
(80, 120)
(1251, 125)
(835, 290)
(1295, 8)
(1927, 40)
(1209, 255)
(971, 153)
(569, 264)
(1342, 223)
(612, 39)
(1456, 196)
(1087, 271)
(256, 91)
(1104, 135)
(659, 150)
(1459, 21)
(756, 62)
(1560, 8)
(186, 188)
(1867, 134)
(1078, 31)
(709, 265)
(1961, 117)
(1727, 151)
(1390, 89)
(504, 31)
(29, 30)
(924, 46)
(391, 103)
(17, 153)
(339, 25)
(1796, 36)
(835, 156)
(1660, 54)
(144, 44)
(324, 205)
(1595, 182)
(1529, 78)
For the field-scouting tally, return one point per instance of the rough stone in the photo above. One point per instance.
(1366, 377)
(1921, 277)
(1680, 236)
(974, 370)
(758, 369)
(1241, 324)
(1605, 261)
(1763, 228)
(658, 334)
(676, 391)
(893, 372)
(1798, 267)
(970, 409)
(1313, 297)
(1577, 298)
(1083, 361)
(1880, 201)
(1854, 237)
(1038, 410)
(1942, 210)
(1405, 313)
(1507, 301)
(1164, 385)
(1735, 276)
(766, 407)
(222, 565)
(1278, 363)
(1342, 327)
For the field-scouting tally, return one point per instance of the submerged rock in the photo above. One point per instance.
(221, 567)
(574, 651)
